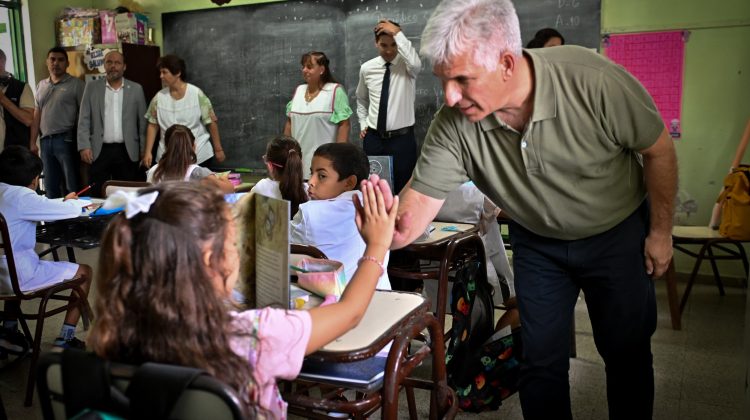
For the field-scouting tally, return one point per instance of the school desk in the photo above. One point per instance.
(397, 317)
(83, 232)
(450, 244)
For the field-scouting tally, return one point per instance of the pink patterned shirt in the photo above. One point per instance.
(274, 345)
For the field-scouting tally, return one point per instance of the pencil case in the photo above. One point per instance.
(323, 277)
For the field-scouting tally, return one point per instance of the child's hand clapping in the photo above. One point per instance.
(374, 219)
(382, 184)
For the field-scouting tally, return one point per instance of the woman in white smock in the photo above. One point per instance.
(319, 111)
(185, 104)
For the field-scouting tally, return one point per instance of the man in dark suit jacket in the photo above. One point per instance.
(112, 125)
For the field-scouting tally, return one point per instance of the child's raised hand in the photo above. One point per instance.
(374, 222)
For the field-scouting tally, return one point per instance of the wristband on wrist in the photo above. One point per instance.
(372, 259)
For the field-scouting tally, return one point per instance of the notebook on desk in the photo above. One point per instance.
(365, 375)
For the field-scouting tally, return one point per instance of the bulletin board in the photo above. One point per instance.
(656, 59)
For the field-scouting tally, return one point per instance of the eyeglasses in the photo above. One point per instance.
(265, 160)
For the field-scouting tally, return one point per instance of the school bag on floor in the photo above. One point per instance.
(735, 202)
(482, 366)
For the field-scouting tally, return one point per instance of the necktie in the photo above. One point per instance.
(383, 108)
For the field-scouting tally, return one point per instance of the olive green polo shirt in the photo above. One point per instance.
(574, 172)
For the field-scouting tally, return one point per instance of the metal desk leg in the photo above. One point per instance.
(71, 254)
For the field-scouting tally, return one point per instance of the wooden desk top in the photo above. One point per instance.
(387, 311)
(695, 232)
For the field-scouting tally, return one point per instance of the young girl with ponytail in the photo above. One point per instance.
(178, 162)
(283, 160)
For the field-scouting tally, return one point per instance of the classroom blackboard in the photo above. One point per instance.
(246, 58)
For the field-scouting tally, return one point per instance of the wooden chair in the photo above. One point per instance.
(111, 186)
(708, 241)
(449, 254)
(205, 396)
(76, 297)
(397, 374)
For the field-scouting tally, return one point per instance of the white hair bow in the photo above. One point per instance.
(131, 201)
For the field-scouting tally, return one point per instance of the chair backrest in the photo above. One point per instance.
(308, 250)
(111, 186)
(8, 267)
(205, 397)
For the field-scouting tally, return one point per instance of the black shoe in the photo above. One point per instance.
(71, 343)
(13, 342)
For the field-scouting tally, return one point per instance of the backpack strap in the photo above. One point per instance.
(86, 384)
(155, 389)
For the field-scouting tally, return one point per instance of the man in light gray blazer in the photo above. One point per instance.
(112, 125)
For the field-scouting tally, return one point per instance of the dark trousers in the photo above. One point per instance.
(610, 269)
(402, 148)
(113, 162)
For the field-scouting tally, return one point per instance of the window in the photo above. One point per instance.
(11, 38)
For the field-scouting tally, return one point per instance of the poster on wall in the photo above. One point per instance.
(656, 59)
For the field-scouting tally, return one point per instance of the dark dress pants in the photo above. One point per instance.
(610, 269)
(113, 162)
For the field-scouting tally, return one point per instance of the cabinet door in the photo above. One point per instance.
(141, 67)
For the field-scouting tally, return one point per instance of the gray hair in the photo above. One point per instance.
(488, 27)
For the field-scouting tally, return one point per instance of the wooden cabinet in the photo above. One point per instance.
(140, 60)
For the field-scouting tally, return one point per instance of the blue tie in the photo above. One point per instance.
(383, 108)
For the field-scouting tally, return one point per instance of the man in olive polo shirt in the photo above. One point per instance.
(58, 99)
(572, 147)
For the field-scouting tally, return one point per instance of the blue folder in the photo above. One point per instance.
(103, 212)
(364, 375)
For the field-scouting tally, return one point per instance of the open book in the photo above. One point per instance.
(263, 243)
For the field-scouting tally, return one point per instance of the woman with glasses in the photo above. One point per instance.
(319, 111)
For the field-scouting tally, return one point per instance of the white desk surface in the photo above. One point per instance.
(439, 233)
(386, 309)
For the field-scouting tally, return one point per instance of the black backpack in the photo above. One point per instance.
(89, 392)
(482, 366)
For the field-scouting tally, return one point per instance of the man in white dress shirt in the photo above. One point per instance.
(387, 127)
(111, 126)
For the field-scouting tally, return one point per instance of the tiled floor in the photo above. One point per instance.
(700, 371)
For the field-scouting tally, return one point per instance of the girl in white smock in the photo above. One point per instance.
(283, 161)
(178, 162)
